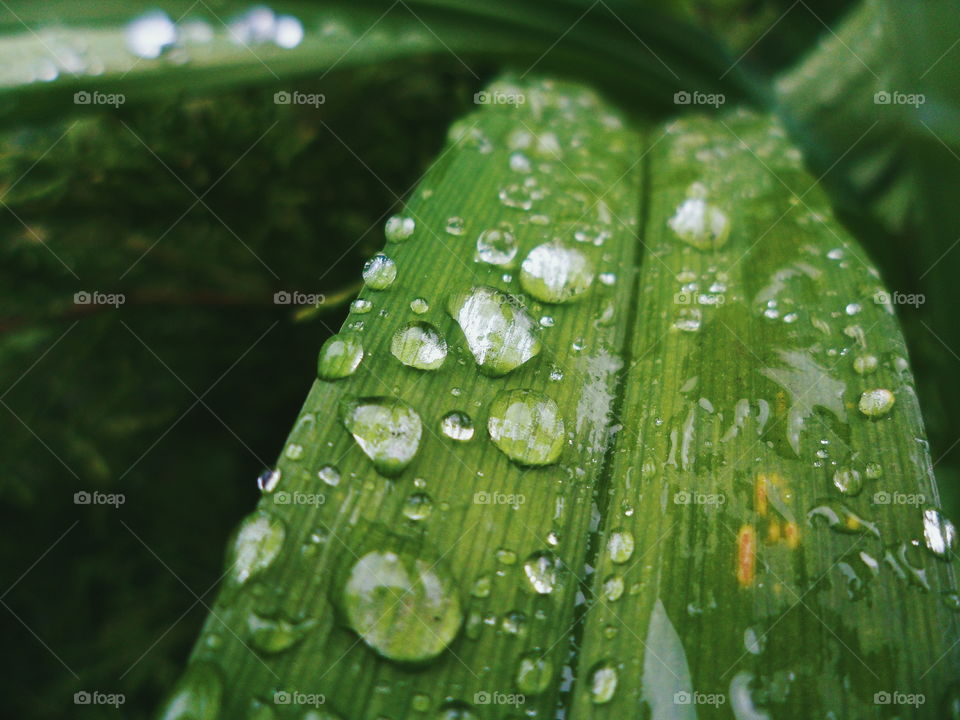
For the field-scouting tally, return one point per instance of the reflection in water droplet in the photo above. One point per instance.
(877, 402)
(404, 607)
(534, 673)
(457, 425)
(541, 570)
(361, 306)
(399, 228)
(700, 224)
(268, 481)
(418, 506)
(526, 426)
(848, 481)
(603, 682)
(496, 247)
(556, 273)
(197, 695)
(386, 429)
(379, 272)
(339, 357)
(500, 333)
(258, 541)
(419, 345)
(939, 533)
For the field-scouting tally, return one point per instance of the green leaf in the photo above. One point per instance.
(661, 486)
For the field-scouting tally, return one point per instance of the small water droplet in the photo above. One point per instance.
(268, 481)
(842, 519)
(526, 426)
(455, 226)
(873, 470)
(877, 402)
(848, 481)
(481, 587)
(386, 429)
(379, 272)
(293, 451)
(270, 636)
(419, 345)
(419, 305)
(698, 223)
(499, 331)
(457, 425)
(418, 506)
(620, 546)
(361, 306)
(496, 247)
(258, 541)
(399, 228)
(329, 474)
(456, 711)
(506, 556)
(541, 570)
(339, 357)
(404, 607)
(865, 364)
(556, 273)
(603, 682)
(534, 673)
(613, 588)
(753, 641)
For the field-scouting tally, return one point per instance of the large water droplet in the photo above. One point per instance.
(379, 272)
(258, 541)
(500, 333)
(399, 228)
(603, 682)
(496, 247)
(404, 607)
(339, 357)
(197, 695)
(527, 427)
(698, 223)
(939, 533)
(534, 672)
(556, 273)
(386, 429)
(541, 570)
(457, 425)
(419, 345)
(620, 546)
(876, 402)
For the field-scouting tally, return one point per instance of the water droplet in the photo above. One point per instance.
(399, 228)
(406, 608)
(848, 481)
(418, 506)
(541, 570)
(269, 636)
(329, 474)
(842, 519)
(939, 533)
(339, 357)
(496, 247)
(258, 541)
(852, 308)
(556, 273)
(456, 711)
(455, 226)
(688, 319)
(865, 364)
(741, 700)
(519, 162)
(534, 673)
(419, 305)
(613, 588)
(521, 196)
(506, 556)
(197, 694)
(500, 333)
(603, 682)
(620, 546)
(379, 272)
(420, 702)
(698, 223)
(419, 345)
(150, 34)
(873, 470)
(293, 451)
(481, 587)
(877, 402)
(526, 426)
(268, 481)
(457, 425)
(753, 642)
(361, 306)
(386, 429)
